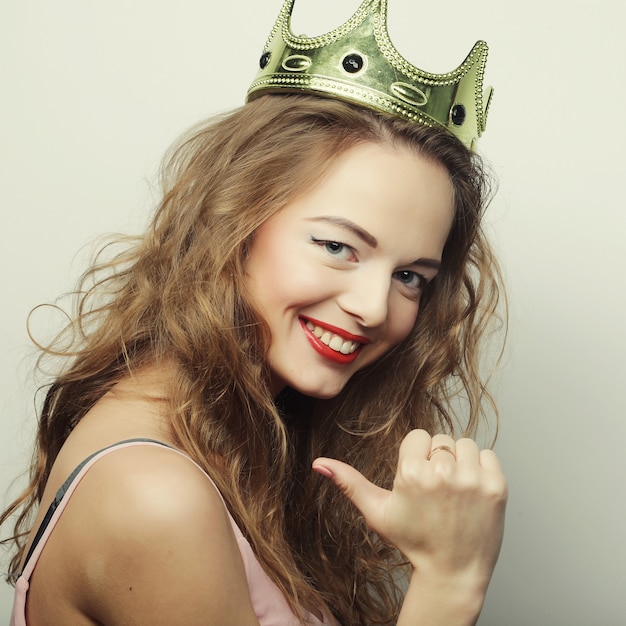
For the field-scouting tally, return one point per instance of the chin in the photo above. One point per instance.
(324, 396)
(321, 392)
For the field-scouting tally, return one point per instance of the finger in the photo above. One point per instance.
(366, 496)
(496, 484)
(467, 452)
(443, 440)
(489, 461)
(416, 445)
(443, 450)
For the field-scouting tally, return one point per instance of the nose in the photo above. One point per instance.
(366, 297)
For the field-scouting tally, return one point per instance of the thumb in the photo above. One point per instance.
(366, 496)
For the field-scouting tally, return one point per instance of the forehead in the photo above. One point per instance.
(399, 196)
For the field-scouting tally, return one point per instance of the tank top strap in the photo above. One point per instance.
(63, 495)
(268, 601)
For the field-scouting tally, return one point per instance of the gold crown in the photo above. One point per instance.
(358, 63)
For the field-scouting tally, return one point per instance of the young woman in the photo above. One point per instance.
(254, 425)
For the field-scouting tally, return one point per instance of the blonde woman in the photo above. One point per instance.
(253, 425)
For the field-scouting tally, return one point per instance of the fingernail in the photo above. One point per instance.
(323, 470)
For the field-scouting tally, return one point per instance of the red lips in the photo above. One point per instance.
(326, 351)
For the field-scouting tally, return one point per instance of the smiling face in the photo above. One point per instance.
(338, 273)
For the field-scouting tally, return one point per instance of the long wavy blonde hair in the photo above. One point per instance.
(178, 293)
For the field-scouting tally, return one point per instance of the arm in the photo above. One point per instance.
(446, 515)
(148, 541)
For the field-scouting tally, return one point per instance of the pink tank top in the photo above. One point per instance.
(269, 604)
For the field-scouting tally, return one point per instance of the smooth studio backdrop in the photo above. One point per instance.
(92, 94)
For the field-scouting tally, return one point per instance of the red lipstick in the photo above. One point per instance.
(344, 334)
(326, 351)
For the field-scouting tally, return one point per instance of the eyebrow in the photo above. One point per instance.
(368, 238)
(430, 263)
(362, 234)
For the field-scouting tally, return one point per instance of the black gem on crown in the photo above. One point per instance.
(265, 59)
(457, 115)
(352, 63)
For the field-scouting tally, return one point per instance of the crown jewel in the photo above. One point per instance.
(358, 63)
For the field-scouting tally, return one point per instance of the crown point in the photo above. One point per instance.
(332, 65)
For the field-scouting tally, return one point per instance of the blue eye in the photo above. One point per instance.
(336, 249)
(410, 279)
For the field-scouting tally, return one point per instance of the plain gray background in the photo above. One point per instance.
(92, 94)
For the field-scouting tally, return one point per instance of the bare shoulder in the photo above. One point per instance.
(157, 485)
(154, 487)
(146, 538)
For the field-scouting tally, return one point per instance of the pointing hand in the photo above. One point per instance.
(445, 512)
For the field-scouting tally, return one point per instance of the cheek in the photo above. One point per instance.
(402, 320)
(282, 279)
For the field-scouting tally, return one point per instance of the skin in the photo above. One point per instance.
(352, 257)
(445, 514)
(162, 537)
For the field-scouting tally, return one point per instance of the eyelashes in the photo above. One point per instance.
(410, 280)
(337, 249)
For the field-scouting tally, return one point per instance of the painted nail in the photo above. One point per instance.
(323, 470)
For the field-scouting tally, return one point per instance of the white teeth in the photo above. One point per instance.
(348, 347)
(334, 342)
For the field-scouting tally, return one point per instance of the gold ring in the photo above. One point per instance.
(441, 449)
